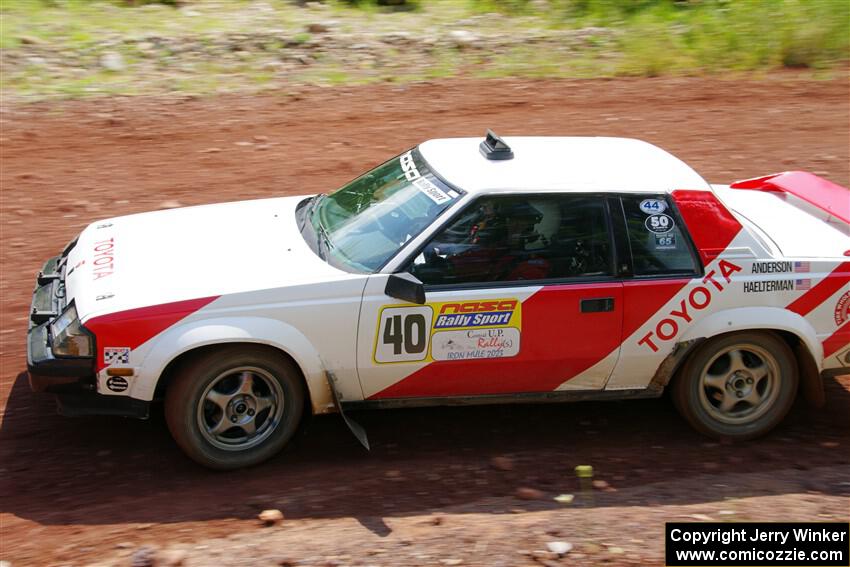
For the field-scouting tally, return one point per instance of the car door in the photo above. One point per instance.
(522, 296)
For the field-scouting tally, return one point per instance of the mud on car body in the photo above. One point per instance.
(460, 272)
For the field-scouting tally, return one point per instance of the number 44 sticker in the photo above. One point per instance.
(403, 334)
(653, 206)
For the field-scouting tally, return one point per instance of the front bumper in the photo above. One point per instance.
(48, 372)
(72, 379)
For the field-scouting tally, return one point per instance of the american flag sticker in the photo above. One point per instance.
(113, 355)
(802, 267)
(803, 285)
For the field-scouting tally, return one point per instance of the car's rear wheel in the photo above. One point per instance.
(737, 386)
(234, 407)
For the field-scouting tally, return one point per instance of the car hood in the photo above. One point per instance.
(188, 253)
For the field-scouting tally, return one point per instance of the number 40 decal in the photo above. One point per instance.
(411, 337)
(403, 334)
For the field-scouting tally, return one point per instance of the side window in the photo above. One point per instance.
(658, 244)
(517, 237)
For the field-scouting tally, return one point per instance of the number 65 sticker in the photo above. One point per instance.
(403, 334)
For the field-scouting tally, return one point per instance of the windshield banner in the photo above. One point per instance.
(432, 191)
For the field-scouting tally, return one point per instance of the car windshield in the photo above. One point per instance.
(361, 226)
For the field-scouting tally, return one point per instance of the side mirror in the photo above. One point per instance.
(406, 287)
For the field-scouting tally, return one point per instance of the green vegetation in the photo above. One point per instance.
(714, 35)
(406, 5)
(663, 36)
(55, 47)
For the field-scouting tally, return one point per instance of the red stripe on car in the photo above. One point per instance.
(837, 340)
(552, 323)
(836, 279)
(643, 299)
(709, 223)
(131, 328)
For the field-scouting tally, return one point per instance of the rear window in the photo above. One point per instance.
(659, 245)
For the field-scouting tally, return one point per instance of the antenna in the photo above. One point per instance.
(495, 148)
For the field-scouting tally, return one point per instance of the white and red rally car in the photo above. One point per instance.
(518, 270)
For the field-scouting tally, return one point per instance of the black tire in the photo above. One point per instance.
(708, 383)
(188, 407)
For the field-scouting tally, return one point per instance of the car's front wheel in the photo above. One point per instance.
(234, 407)
(737, 386)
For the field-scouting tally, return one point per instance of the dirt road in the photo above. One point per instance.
(93, 490)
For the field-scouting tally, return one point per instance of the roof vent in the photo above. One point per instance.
(493, 147)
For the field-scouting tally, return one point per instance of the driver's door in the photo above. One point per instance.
(521, 296)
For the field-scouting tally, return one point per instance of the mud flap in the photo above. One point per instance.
(353, 426)
(668, 367)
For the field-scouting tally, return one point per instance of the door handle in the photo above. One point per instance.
(597, 305)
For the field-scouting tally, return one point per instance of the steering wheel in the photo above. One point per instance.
(435, 269)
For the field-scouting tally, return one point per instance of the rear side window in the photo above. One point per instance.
(659, 245)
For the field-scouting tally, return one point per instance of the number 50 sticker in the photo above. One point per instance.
(659, 224)
(403, 334)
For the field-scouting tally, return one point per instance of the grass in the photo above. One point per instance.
(650, 38)
(754, 35)
(669, 36)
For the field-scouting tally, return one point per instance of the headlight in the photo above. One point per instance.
(70, 338)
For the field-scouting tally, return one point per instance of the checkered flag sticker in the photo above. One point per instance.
(112, 355)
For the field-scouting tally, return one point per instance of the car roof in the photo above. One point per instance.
(596, 164)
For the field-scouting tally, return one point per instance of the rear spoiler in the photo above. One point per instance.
(816, 191)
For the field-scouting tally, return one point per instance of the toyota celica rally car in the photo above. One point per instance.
(462, 271)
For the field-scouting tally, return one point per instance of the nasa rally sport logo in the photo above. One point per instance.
(117, 384)
(842, 309)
